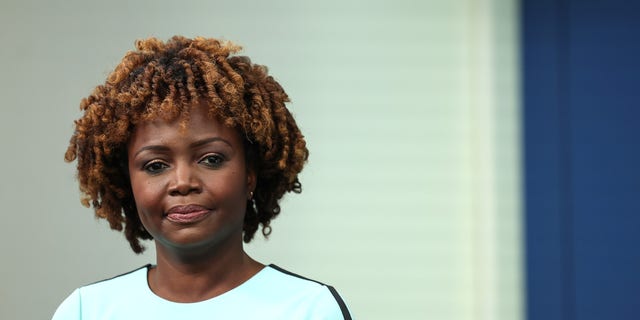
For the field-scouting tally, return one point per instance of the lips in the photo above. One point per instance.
(185, 214)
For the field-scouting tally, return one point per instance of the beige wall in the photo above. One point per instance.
(411, 196)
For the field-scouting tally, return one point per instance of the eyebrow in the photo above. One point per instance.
(193, 145)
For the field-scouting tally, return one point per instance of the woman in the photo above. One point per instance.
(192, 147)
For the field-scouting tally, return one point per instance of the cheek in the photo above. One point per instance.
(230, 188)
(147, 195)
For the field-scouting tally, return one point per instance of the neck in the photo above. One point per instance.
(199, 274)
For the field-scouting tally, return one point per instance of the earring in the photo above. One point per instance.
(252, 202)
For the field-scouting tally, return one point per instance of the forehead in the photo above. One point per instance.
(197, 122)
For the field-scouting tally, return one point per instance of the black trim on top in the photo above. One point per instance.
(334, 292)
(293, 274)
(343, 306)
(148, 265)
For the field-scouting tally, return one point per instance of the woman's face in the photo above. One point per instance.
(190, 185)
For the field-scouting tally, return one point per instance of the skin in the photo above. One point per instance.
(199, 248)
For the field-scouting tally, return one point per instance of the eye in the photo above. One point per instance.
(155, 167)
(212, 160)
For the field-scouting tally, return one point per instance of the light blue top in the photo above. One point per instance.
(272, 293)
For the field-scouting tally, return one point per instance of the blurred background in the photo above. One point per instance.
(469, 159)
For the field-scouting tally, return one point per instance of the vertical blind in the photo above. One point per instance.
(411, 201)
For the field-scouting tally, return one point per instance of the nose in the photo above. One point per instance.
(185, 181)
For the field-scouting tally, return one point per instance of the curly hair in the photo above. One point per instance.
(163, 80)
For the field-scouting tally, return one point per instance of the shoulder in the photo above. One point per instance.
(103, 295)
(315, 298)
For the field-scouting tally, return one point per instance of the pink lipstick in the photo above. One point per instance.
(187, 214)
